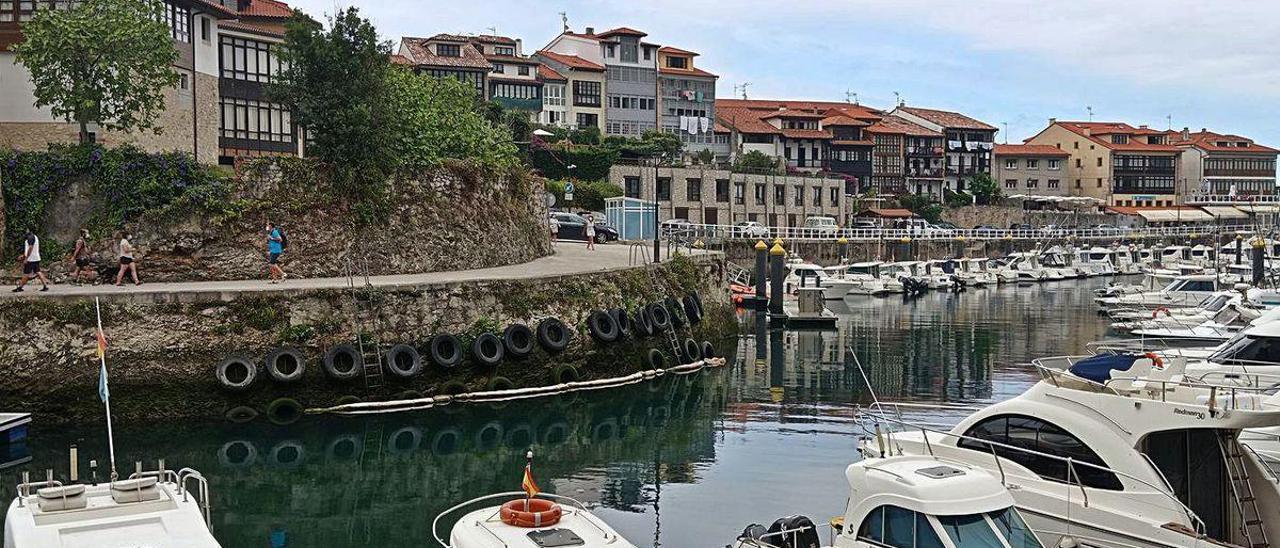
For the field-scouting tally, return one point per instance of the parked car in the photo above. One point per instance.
(676, 228)
(865, 224)
(1021, 226)
(574, 227)
(750, 229)
(984, 230)
(821, 226)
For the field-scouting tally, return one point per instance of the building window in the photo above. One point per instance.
(1055, 164)
(1033, 163)
(740, 193)
(256, 121)
(630, 53)
(1099, 182)
(632, 186)
(499, 68)
(515, 91)
(449, 50)
(248, 60)
(677, 62)
(553, 95)
(780, 195)
(1120, 139)
(664, 188)
(504, 50)
(798, 195)
(693, 191)
(1043, 437)
(1099, 161)
(1011, 163)
(586, 94)
(475, 78)
(205, 29)
(817, 196)
(760, 193)
(1033, 183)
(835, 196)
(722, 190)
(585, 120)
(1011, 183)
(1052, 184)
(1078, 165)
(177, 17)
(523, 70)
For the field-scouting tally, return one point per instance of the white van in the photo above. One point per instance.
(821, 226)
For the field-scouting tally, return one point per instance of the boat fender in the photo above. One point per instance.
(623, 320)
(660, 317)
(499, 383)
(529, 512)
(553, 336)
(563, 374)
(676, 311)
(342, 362)
(603, 327)
(801, 532)
(445, 350)
(654, 360)
(241, 414)
(405, 440)
(287, 454)
(708, 350)
(489, 435)
(286, 365)
(236, 373)
(344, 448)
(691, 309)
(641, 322)
(487, 350)
(237, 453)
(284, 411)
(403, 361)
(518, 340)
(1157, 312)
(692, 352)
(1156, 361)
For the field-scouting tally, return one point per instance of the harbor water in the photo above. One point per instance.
(677, 462)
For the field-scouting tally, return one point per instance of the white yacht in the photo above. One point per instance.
(938, 273)
(867, 279)
(976, 272)
(909, 501)
(805, 274)
(1183, 291)
(1025, 267)
(1107, 451)
(1132, 319)
(907, 274)
(541, 521)
(152, 508)
(1097, 261)
(1127, 260)
(1224, 324)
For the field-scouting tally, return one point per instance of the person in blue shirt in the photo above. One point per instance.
(275, 248)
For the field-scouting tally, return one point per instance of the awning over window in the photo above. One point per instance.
(1225, 212)
(1173, 215)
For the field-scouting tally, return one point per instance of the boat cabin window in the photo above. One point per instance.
(1245, 349)
(1198, 285)
(1214, 303)
(890, 525)
(1098, 256)
(1040, 436)
(1015, 530)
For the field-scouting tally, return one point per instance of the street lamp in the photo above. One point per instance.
(657, 249)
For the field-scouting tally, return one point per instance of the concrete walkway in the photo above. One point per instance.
(569, 258)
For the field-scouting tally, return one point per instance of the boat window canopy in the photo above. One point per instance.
(1039, 436)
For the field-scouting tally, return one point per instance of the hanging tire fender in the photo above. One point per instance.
(641, 323)
(519, 340)
(237, 373)
(624, 322)
(553, 335)
(404, 361)
(343, 362)
(445, 350)
(285, 365)
(487, 350)
(603, 326)
(660, 316)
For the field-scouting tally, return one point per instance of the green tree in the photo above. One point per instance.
(337, 84)
(921, 205)
(588, 195)
(754, 161)
(104, 61)
(985, 190)
(435, 119)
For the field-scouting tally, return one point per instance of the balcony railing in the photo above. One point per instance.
(924, 151)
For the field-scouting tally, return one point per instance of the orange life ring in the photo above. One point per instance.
(530, 513)
(1156, 361)
(1157, 312)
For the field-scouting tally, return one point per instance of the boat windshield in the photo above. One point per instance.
(1214, 303)
(1248, 349)
(980, 530)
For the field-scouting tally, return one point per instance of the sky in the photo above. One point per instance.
(1172, 63)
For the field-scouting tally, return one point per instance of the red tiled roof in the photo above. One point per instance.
(1030, 150)
(947, 119)
(686, 72)
(676, 51)
(860, 112)
(1208, 141)
(744, 120)
(548, 73)
(766, 115)
(397, 59)
(269, 29)
(573, 61)
(267, 8)
(806, 134)
(839, 142)
(843, 120)
(621, 30)
(420, 53)
(721, 128)
(512, 59)
(493, 39)
(1093, 131)
(888, 212)
(217, 8)
(893, 124)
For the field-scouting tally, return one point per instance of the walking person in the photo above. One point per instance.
(80, 257)
(275, 248)
(555, 228)
(30, 261)
(127, 262)
(590, 233)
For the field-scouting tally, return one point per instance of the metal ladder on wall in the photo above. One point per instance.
(367, 323)
(1255, 536)
(673, 339)
(366, 488)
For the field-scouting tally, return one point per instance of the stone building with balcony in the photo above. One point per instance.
(723, 197)
(687, 101)
(448, 56)
(630, 86)
(1117, 163)
(584, 89)
(1030, 170)
(850, 150)
(1223, 165)
(907, 158)
(969, 142)
(809, 136)
(513, 80)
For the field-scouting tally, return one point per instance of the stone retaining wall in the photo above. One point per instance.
(163, 355)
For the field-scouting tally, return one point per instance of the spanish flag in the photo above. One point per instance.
(530, 487)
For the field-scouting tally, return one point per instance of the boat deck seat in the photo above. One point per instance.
(67, 497)
(134, 490)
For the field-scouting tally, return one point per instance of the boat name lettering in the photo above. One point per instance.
(1189, 413)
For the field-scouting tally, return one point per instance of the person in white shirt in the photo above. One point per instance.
(30, 260)
(127, 263)
(590, 232)
(555, 228)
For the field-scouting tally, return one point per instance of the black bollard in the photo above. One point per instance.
(777, 365)
(762, 274)
(777, 278)
(1259, 258)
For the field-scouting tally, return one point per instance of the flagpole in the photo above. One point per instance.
(106, 399)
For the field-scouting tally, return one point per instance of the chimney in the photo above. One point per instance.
(1186, 134)
(1087, 131)
(1053, 121)
(591, 31)
(1142, 126)
(519, 46)
(1203, 130)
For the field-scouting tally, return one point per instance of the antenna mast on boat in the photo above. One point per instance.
(103, 392)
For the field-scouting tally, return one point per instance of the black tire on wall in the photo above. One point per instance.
(676, 310)
(603, 326)
(692, 309)
(564, 373)
(708, 350)
(623, 320)
(655, 360)
(343, 362)
(487, 350)
(445, 350)
(237, 373)
(519, 340)
(641, 323)
(403, 361)
(660, 316)
(553, 335)
(285, 365)
(692, 351)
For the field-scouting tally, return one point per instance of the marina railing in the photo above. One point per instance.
(1224, 397)
(724, 233)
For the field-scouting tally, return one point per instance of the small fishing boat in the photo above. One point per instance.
(527, 518)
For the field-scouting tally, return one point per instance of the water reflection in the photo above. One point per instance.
(670, 463)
